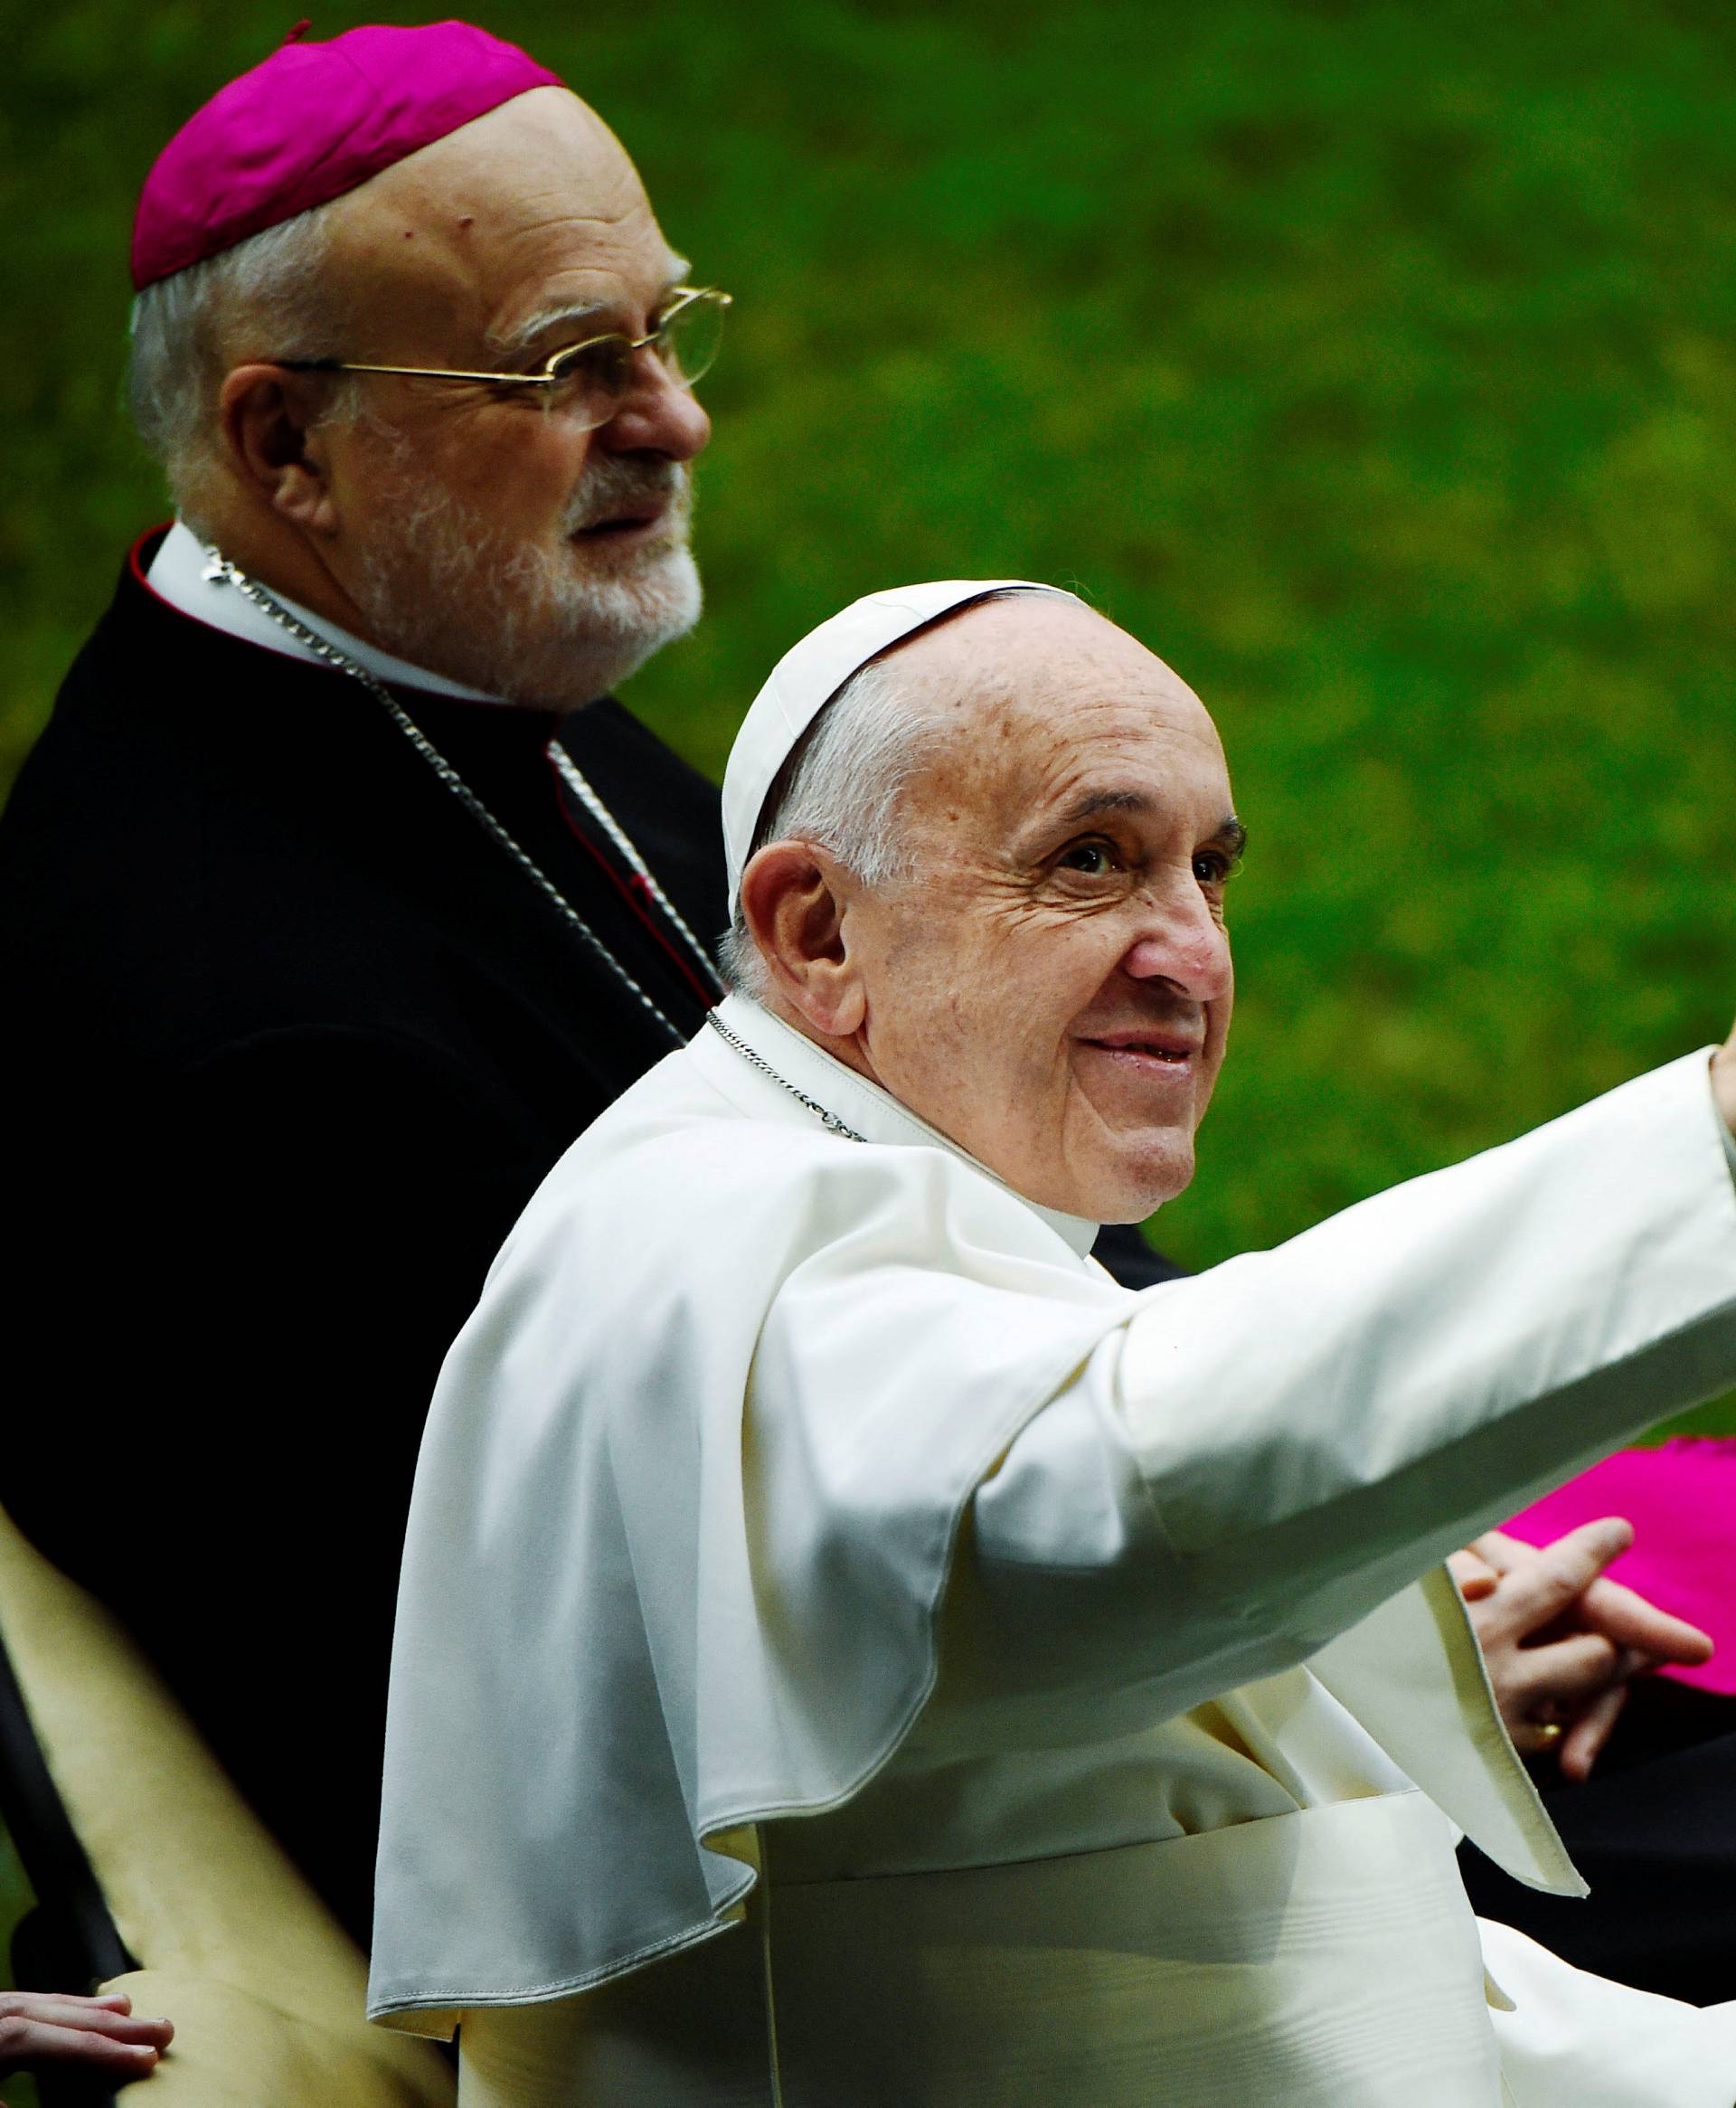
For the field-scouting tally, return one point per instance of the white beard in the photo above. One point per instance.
(551, 626)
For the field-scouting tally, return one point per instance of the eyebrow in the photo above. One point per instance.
(1102, 801)
(1230, 833)
(1230, 830)
(579, 315)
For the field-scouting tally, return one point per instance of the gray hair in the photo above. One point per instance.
(841, 792)
(842, 787)
(184, 339)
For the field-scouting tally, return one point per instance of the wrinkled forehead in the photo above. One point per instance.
(1024, 649)
(531, 207)
(1029, 693)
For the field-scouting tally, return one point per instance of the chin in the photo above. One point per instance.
(1130, 1191)
(538, 621)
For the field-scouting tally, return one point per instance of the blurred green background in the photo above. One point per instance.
(1374, 364)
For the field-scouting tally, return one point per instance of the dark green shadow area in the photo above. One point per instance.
(15, 1899)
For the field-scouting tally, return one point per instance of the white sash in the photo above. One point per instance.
(1322, 1960)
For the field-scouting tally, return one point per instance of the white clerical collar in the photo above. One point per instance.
(873, 1113)
(178, 575)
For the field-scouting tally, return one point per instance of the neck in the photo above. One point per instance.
(181, 573)
(848, 1049)
(287, 565)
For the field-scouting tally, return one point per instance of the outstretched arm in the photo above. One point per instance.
(1271, 1450)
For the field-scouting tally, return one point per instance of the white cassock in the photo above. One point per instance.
(852, 1653)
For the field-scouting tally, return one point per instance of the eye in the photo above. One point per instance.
(586, 376)
(598, 357)
(1215, 866)
(1095, 858)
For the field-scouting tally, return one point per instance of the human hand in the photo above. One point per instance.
(93, 2035)
(1724, 1080)
(1563, 1643)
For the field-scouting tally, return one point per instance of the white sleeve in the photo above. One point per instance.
(1568, 2040)
(1265, 1453)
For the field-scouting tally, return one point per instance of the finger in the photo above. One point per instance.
(41, 2042)
(1619, 1614)
(1536, 1593)
(1503, 1552)
(27, 2002)
(1531, 1737)
(62, 2010)
(1724, 1082)
(1563, 1677)
(1476, 1577)
(1583, 1744)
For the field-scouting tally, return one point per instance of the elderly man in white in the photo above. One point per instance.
(865, 1659)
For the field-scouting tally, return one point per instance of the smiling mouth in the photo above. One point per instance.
(1143, 1050)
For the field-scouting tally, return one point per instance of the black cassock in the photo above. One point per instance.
(290, 1042)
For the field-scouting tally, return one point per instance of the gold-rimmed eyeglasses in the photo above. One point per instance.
(586, 381)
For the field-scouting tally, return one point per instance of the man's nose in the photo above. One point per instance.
(656, 416)
(1184, 944)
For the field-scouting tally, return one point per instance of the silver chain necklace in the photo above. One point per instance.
(579, 785)
(826, 1117)
(219, 570)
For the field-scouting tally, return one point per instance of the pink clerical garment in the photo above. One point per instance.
(1681, 1499)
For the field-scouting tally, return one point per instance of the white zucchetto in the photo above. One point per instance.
(810, 674)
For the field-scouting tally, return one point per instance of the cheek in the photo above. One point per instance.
(520, 468)
(933, 990)
(1222, 1011)
(1079, 969)
(919, 984)
(1037, 982)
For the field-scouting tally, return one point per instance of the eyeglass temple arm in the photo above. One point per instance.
(416, 373)
(685, 300)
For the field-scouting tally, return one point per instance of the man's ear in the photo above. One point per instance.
(796, 900)
(267, 416)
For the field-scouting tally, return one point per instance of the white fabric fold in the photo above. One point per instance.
(1568, 2039)
(1412, 1675)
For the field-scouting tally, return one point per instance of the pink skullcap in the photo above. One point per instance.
(310, 123)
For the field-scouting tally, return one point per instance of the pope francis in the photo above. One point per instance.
(851, 1653)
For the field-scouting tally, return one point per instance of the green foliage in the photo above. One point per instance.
(1374, 363)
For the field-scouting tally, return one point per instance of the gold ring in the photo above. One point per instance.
(1549, 1732)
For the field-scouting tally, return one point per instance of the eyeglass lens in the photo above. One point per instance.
(593, 376)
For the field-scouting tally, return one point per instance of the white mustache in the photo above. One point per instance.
(611, 486)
